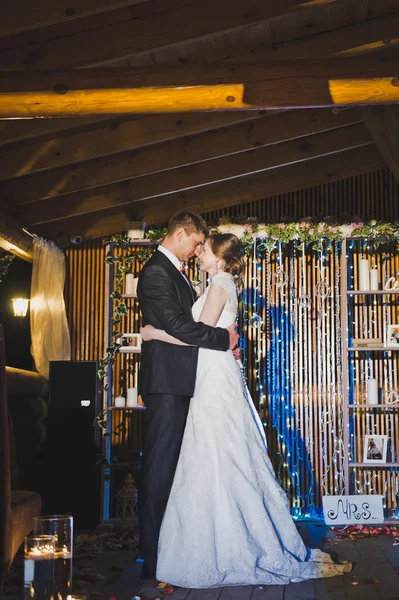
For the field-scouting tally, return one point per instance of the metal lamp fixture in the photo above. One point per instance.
(20, 306)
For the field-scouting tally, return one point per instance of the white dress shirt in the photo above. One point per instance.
(173, 259)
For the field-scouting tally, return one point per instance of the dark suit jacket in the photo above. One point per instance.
(165, 301)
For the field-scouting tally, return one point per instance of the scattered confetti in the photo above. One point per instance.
(169, 590)
(356, 532)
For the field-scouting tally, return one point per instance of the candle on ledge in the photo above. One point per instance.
(372, 391)
(131, 284)
(364, 276)
(131, 401)
(374, 279)
(120, 402)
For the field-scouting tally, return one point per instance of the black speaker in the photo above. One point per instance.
(73, 473)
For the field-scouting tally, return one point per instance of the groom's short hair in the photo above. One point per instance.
(191, 221)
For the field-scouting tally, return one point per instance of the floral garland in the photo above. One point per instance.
(307, 231)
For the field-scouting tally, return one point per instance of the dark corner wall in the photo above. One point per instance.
(17, 331)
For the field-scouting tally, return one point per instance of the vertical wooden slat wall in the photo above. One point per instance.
(85, 299)
(375, 194)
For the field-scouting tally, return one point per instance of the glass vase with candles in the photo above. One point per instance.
(39, 554)
(61, 527)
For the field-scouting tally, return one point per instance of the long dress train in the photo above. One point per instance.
(227, 521)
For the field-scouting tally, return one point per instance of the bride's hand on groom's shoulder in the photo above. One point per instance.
(147, 333)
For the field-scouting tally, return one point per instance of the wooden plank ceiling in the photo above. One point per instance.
(89, 175)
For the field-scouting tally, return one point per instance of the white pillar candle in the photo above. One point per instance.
(137, 230)
(131, 400)
(372, 391)
(129, 283)
(119, 402)
(364, 276)
(374, 279)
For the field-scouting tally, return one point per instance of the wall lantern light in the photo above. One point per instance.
(20, 306)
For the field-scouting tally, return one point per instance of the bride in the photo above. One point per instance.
(227, 521)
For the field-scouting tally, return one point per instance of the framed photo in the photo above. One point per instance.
(130, 342)
(375, 449)
(393, 335)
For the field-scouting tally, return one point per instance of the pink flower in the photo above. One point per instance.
(303, 224)
(274, 237)
(247, 228)
(332, 229)
(320, 228)
(311, 231)
(281, 225)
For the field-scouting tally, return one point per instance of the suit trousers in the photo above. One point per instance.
(164, 422)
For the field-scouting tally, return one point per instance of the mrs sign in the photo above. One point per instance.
(349, 510)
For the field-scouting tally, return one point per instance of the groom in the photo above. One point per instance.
(167, 371)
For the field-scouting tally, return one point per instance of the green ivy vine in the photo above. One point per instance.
(6, 258)
(123, 264)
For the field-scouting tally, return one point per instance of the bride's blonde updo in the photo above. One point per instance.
(227, 247)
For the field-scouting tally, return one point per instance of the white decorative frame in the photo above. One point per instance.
(130, 342)
(392, 338)
(381, 444)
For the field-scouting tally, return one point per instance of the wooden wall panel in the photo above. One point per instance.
(85, 299)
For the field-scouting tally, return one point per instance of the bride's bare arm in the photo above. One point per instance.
(210, 314)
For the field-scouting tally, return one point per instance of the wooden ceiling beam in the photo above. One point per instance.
(24, 15)
(25, 130)
(201, 174)
(265, 130)
(383, 127)
(287, 179)
(369, 36)
(374, 36)
(220, 195)
(272, 85)
(14, 239)
(127, 135)
(155, 28)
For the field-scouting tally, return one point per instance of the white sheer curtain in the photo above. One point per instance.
(49, 327)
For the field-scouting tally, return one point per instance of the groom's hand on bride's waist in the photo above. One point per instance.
(233, 335)
(237, 353)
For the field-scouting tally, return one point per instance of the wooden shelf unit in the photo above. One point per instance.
(373, 348)
(373, 465)
(379, 406)
(372, 292)
(359, 413)
(118, 418)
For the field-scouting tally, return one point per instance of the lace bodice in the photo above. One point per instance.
(228, 316)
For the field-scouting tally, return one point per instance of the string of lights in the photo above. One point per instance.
(292, 308)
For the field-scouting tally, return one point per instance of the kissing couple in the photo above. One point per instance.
(211, 511)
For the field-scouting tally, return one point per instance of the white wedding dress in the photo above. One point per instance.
(227, 521)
